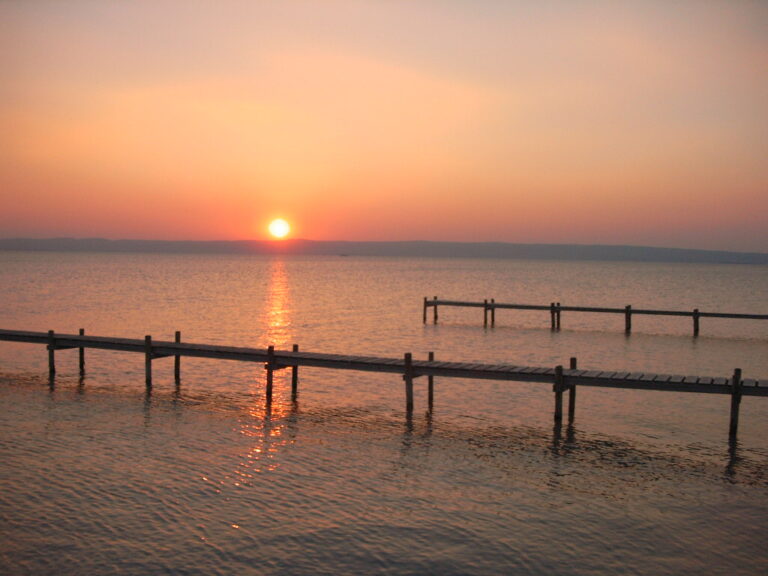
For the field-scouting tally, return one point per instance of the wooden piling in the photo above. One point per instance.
(177, 360)
(552, 314)
(557, 314)
(408, 377)
(430, 384)
(558, 388)
(695, 321)
(295, 376)
(493, 312)
(51, 353)
(627, 319)
(270, 366)
(572, 395)
(81, 354)
(424, 315)
(736, 385)
(148, 360)
(434, 311)
(485, 313)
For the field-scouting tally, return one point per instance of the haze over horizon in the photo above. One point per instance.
(597, 123)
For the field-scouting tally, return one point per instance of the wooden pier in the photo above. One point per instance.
(555, 309)
(562, 379)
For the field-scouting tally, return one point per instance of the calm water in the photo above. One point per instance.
(97, 476)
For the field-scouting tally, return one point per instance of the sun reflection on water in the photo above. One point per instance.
(270, 425)
(275, 324)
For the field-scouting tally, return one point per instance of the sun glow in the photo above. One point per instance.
(279, 228)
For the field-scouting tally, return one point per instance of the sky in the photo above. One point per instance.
(586, 122)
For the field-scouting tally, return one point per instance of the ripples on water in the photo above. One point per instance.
(108, 481)
(99, 477)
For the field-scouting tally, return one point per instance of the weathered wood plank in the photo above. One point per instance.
(480, 367)
(543, 371)
(499, 367)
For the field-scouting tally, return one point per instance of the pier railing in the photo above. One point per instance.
(562, 379)
(555, 309)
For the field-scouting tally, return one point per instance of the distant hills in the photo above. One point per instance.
(392, 249)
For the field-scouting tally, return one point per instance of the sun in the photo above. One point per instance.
(279, 228)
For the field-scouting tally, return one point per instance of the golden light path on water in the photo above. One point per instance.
(266, 423)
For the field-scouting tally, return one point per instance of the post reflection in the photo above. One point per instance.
(734, 459)
(562, 446)
(270, 425)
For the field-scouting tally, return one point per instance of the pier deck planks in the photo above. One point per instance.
(287, 358)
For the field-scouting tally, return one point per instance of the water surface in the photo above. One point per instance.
(100, 476)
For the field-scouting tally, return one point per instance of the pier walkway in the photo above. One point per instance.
(562, 379)
(555, 309)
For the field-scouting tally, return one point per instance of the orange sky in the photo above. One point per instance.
(611, 122)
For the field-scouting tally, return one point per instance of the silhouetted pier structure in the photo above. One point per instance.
(555, 309)
(562, 380)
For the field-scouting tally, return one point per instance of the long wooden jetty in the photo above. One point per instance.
(490, 306)
(562, 379)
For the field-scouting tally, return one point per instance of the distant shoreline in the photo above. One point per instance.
(424, 249)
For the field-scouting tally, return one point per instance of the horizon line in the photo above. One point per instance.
(284, 241)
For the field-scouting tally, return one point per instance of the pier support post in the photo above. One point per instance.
(557, 314)
(430, 384)
(628, 319)
(177, 360)
(558, 388)
(695, 321)
(51, 353)
(295, 377)
(572, 395)
(493, 312)
(148, 360)
(270, 366)
(424, 313)
(408, 377)
(434, 310)
(81, 354)
(735, 403)
(552, 315)
(485, 313)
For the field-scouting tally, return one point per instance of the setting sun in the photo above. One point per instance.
(279, 228)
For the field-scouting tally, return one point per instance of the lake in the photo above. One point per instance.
(100, 476)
